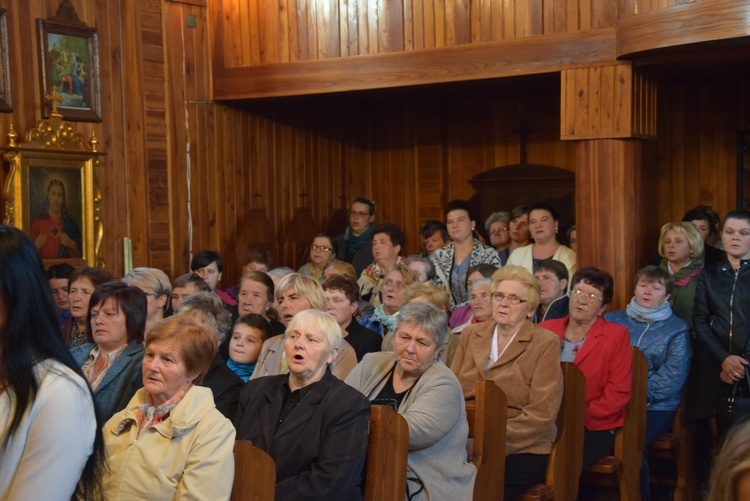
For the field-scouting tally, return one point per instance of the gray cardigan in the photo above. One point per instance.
(125, 370)
(435, 411)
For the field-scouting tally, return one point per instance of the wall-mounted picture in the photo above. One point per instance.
(70, 63)
(6, 104)
(56, 212)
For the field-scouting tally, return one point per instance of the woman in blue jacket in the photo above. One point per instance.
(665, 341)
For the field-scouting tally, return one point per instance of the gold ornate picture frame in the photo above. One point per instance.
(51, 192)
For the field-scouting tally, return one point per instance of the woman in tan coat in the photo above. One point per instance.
(524, 360)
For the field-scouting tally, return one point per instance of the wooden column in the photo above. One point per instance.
(609, 109)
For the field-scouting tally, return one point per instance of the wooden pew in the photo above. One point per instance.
(387, 451)
(623, 468)
(566, 458)
(254, 473)
(675, 446)
(487, 416)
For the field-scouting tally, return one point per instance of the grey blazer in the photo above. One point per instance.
(125, 370)
(435, 411)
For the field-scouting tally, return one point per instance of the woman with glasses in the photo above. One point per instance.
(524, 360)
(497, 228)
(602, 351)
(721, 328)
(322, 252)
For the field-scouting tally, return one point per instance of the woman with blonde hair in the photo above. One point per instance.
(681, 246)
(730, 479)
(523, 359)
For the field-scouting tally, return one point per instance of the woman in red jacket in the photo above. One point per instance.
(602, 351)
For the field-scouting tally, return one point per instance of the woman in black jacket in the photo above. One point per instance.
(721, 326)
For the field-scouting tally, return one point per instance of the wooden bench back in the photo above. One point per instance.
(254, 473)
(487, 416)
(387, 451)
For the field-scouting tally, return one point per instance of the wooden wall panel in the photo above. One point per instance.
(696, 154)
(295, 30)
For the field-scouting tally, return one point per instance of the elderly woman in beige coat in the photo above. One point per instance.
(524, 360)
(171, 442)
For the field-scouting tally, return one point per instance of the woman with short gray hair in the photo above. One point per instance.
(427, 394)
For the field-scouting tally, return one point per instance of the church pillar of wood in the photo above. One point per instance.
(609, 110)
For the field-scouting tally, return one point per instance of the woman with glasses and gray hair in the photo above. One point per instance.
(425, 392)
(524, 361)
(602, 351)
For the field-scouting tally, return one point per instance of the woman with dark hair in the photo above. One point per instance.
(54, 232)
(434, 236)
(322, 252)
(51, 447)
(82, 283)
(721, 330)
(387, 242)
(602, 351)
(209, 265)
(452, 262)
(112, 360)
(543, 223)
(706, 222)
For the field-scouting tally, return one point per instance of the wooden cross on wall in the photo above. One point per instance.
(55, 99)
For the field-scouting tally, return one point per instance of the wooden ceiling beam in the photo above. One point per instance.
(517, 57)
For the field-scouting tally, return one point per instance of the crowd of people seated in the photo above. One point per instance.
(137, 388)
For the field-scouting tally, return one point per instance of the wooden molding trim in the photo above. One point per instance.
(517, 57)
(702, 21)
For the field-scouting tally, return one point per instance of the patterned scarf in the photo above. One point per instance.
(642, 314)
(150, 415)
(385, 319)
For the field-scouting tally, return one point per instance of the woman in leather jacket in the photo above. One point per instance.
(721, 330)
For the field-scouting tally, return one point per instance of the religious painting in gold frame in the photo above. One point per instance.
(51, 193)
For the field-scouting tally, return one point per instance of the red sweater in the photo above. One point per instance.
(606, 360)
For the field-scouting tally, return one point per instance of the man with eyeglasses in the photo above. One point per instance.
(355, 244)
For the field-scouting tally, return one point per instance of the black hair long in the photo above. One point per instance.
(29, 332)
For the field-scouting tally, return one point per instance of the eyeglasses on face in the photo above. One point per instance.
(499, 231)
(354, 213)
(589, 297)
(514, 300)
(321, 248)
(392, 284)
